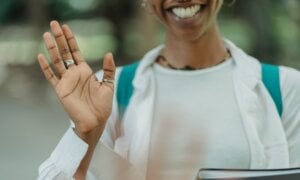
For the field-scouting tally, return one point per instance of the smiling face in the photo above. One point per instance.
(187, 19)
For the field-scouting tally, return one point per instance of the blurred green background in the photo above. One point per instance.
(32, 120)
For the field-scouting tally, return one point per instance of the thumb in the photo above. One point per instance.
(109, 69)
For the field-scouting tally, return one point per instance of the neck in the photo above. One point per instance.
(206, 51)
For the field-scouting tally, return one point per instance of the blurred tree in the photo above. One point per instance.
(11, 10)
(119, 13)
(258, 15)
(270, 25)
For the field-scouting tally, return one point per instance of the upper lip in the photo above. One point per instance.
(181, 5)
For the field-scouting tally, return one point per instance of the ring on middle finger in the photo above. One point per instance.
(112, 81)
(69, 62)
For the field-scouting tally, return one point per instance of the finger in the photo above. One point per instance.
(50, 76)
(72, 44)
(61, 41)
(54, 54)
(109, 68)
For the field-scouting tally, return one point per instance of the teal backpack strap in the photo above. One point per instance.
(271, 79)
(125, 87)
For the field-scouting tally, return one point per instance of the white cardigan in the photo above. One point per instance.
(124, 147)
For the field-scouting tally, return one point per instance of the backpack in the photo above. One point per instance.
(270, 78)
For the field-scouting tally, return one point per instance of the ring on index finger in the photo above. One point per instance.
(69, 62)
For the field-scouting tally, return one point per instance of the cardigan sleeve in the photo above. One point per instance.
(290, 88)
(105, 163)
(65, 159)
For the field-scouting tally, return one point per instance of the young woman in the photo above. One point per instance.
(198, 102)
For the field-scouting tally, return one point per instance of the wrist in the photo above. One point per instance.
(81, 134)
(86, 135)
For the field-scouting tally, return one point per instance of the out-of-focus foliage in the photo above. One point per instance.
(267, 29)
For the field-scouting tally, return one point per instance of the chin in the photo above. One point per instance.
(192, 35)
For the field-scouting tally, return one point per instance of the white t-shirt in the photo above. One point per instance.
(200, 129)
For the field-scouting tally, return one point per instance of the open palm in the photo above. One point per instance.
(87, 101)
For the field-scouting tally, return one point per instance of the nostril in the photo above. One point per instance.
(184, 1)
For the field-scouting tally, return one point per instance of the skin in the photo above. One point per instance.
(195, 42)
(87, 101)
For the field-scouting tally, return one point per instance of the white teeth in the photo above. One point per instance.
(186, 12)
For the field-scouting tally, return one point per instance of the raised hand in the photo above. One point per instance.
(87, 101)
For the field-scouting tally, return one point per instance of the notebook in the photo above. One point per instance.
(253, 174)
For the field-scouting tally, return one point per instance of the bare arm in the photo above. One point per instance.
(87, 101)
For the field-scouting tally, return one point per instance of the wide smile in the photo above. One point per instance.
(186, 10)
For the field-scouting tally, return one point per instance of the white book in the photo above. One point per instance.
(253, 174)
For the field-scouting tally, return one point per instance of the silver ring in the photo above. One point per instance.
(69, 62)
(109, 80)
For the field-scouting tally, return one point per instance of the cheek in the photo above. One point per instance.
(155, 8)
(151, 6)
(213, 10)
(216, 6)
(153, 2)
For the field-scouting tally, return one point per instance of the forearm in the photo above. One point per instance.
(92, 139)
(65, 159)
